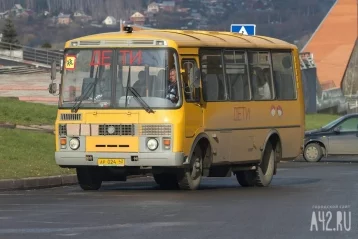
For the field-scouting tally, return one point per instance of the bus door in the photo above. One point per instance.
(193, 109)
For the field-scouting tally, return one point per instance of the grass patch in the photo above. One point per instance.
(314, 121)
(25, 113)
(28, 154)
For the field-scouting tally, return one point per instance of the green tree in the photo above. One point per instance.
(46, 45)
(9, 34)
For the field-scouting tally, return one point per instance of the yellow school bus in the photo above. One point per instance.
(181, 105)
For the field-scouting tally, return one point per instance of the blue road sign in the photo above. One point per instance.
(246, 29)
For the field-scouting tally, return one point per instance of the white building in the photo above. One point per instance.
(109, 21)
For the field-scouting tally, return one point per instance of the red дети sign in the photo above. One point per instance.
(101, 58)
(132, 57)
(104, 57)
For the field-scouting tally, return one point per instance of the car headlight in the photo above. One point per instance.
(74, 143)
(152, 144)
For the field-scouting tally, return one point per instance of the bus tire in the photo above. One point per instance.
(166, 180)
(189, 178)
(89, 178)
(246, 178)
(265, 170)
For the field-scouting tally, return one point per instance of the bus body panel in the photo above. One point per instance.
(89, 128)
(240, 129)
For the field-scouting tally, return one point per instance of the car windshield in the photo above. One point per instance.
(120, 78)
(334, 122)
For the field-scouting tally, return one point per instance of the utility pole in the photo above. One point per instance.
(120, 25)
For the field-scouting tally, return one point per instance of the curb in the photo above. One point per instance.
(44, 182)
(37, 182)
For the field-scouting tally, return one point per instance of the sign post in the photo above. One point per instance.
(246, 29)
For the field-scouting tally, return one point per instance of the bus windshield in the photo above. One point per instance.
(120, 78)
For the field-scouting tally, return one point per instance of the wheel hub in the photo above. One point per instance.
(311, 152)
(196, 169)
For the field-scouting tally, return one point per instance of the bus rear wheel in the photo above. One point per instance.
(89, 178)
(189, 178)
(264, 172)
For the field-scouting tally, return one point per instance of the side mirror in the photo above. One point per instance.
(52, 88)
(53, 70)
(337, 130)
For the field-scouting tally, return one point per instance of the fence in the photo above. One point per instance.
(41, 57)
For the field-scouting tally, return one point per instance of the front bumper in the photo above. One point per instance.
(143, 160)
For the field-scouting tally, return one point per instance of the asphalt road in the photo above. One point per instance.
(220, 209)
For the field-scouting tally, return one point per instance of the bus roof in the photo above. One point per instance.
(181, 38)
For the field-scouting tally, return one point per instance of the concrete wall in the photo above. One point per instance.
(12, 53)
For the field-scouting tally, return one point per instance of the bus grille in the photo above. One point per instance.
(158, 130)
(119, 129)
(71, 117)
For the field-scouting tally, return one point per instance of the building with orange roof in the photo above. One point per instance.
(137, 18)
(333, 47)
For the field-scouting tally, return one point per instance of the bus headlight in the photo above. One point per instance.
(152, 144)
(74, 143)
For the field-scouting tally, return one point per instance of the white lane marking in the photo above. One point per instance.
(68, 234)
(282, 169)
(104, 227)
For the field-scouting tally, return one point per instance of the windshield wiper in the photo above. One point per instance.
(136, 95)
(77, 104)
(140, 100)
(128, 78)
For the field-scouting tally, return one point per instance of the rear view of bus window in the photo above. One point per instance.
(284, 79)
(260, 75)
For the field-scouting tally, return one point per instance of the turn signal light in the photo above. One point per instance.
(166, 143)
(63, 143)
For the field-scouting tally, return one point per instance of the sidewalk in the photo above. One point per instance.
(31, 88)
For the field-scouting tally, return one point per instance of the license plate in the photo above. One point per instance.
(110, 162)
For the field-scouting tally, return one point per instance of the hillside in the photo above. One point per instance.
(290, 20)
(96, 8)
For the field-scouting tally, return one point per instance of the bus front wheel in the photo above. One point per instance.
(89, 178)
(189, 178)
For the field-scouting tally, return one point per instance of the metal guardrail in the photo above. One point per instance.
(21, 70)
(30, 55)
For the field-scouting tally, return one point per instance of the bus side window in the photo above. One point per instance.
(191, 93)
(236, 75)
(283, 75)
(214, 87)
(260, 75)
